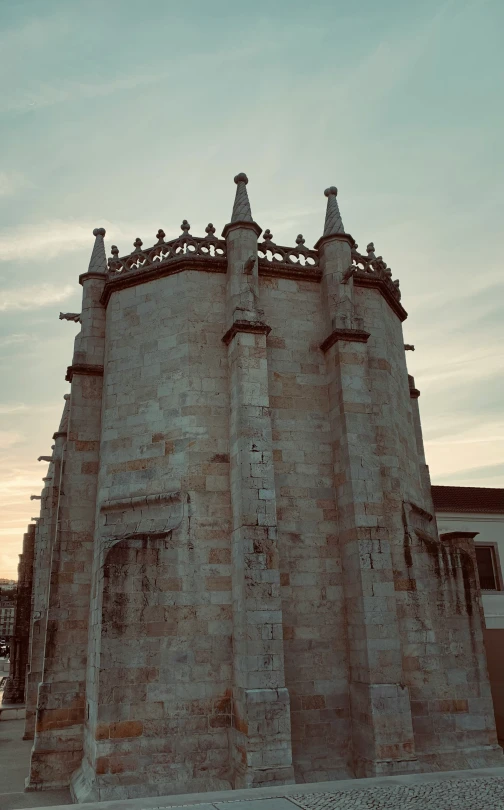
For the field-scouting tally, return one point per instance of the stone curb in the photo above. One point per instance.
(282, 792)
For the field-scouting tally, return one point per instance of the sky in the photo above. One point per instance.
(135, 115)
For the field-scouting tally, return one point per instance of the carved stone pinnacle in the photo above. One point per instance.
(99, 232)
(332, 191)
(241, 178)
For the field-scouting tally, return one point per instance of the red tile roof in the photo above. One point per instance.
(468, 499)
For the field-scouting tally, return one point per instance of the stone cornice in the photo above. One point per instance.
(292, 271)
(83, 368)
(378, 283)
(252, 327)
(231, 226)
(450, 536)
(337, 237)
(270, 269)
(92, 274)
(131, 278)
(351, 335)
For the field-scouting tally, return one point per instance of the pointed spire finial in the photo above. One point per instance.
(241, 207)
(242, 214)
(98, 261)
(333, 221)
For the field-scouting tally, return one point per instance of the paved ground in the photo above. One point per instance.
(456, 790)
(14, 757)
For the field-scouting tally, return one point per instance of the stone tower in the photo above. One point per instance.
(239, 579)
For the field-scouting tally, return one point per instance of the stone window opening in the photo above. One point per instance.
(488, 567)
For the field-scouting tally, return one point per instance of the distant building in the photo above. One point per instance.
(7, 607)
(7, 613)
(479, 511)
(14, 691)
(7, 585)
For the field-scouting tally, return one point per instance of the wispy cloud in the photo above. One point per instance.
(8, 438)
(47, 239)
(14, 339)
(53, 238)
(35, 296)
(470, 474)
(47, 94)
(12, 182)
(7, 410)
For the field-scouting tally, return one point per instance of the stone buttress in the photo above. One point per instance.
(58, 742)
(260, 739)
(45, 535)
(239, 580)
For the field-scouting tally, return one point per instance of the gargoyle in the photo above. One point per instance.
(408, 347)
(347, 275)
(44, 458)
(70, 316)
(248, 266)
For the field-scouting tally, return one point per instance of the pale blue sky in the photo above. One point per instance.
(135, 115)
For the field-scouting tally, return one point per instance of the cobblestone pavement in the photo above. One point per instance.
(450, 794)
(460, 794)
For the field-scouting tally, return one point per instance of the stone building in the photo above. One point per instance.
(239, 579)
(14, 691)
(479, 512)
(7, 611)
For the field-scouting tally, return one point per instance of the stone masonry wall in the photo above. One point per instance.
(159, 687)
(315, 648)
(246, 582)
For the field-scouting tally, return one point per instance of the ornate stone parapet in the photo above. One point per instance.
(186, 246)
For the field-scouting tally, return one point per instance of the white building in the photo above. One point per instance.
(481, 510)
(7, 613)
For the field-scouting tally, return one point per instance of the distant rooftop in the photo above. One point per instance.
(468, 499)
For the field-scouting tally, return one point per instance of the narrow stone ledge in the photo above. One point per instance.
(140, 501)
(351, 335)
(83, 368)
(253, 327)
(414, 392)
